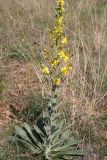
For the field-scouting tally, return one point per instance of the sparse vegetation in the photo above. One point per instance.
(24, 27)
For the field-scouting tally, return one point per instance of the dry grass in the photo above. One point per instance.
(24, 25)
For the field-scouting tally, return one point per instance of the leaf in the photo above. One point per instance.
(22, 136)
(39, 132)
(41, 123)
(60, 141)
(30, 146)
(57, 132)
(70, 143)
(29, 133)
(19, 131)
(68, 153)
(55, 125)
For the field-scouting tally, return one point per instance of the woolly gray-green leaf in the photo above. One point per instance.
(34, 139)
(67, 146)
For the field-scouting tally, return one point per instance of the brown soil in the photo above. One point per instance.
(19, 81)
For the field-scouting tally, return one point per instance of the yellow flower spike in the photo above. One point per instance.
(45, 70)
(57, 81)
(64, 40)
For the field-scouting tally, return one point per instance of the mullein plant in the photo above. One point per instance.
(49, 137)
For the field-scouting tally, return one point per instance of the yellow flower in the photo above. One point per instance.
(64, 40)
(61, 1)
(59, 20)
(57, 81)
(63, 10)
(66, 69)
(54, 62)
(59, 30)
(61, 53)
(46, 53)
(50, 34)
(45, 70)
(64, 56)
